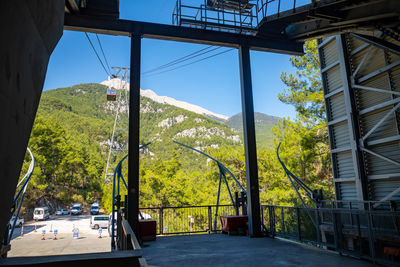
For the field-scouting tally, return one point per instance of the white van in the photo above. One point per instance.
(41, 213)
(76, 209)
(99, 221)
(94, 209)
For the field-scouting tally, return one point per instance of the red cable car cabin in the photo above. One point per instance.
(111, 94)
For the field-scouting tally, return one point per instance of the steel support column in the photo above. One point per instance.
(352, 120)
(253, 199)
(134, 120)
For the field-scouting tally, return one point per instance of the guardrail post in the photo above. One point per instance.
(317, 220)
(237, 203)
(272, 220)
(335, 230)
(119, 231)
(370, 235)
(209, 219)
(161, 219)
(298, 223)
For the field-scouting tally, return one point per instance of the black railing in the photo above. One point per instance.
(367, 234)
(242, 20)
(187, 220)
(272, 9)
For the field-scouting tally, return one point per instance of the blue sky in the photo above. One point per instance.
(213, 83)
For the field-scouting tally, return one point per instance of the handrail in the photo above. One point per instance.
(128, 232)
(20, 195)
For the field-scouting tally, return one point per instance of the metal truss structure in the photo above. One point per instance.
(224, 15)
(118, 145)
(361, 80)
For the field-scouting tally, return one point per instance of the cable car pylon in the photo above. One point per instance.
(119, 97)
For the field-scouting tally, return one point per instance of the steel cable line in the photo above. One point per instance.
(101, 62)
(217, 54)
(102, 51)
(182, 59)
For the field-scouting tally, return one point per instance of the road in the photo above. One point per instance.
(31, 243)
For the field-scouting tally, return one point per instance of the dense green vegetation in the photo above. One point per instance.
(69, 141)
(264, 124)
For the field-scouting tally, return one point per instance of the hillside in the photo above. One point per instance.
(86, 114)
(263, 123)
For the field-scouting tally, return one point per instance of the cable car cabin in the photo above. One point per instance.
(111, 94)
(233, 5)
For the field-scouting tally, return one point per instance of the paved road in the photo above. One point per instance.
(31, 243)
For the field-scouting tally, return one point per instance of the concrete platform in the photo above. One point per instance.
(224, 250)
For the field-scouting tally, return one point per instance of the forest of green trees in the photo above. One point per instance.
(70, 162)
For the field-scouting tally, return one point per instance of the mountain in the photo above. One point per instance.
(263, 123)
(117, 84)
(87, 115)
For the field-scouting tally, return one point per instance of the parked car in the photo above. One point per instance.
(41, 213)
(76, 209)
(18, 223)
(99, 221)
(94, 209)
(62, 212)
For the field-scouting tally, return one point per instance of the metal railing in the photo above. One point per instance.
(18, 200)
(187, 220)
(360, 233)
(204, 16)
(272, 9)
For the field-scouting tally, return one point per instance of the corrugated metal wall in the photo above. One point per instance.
(361, 88)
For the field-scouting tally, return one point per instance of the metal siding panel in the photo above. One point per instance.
(386, 129)
(367, 98)
(340, 135)
(378, 166)
(330, 54)
(374, 61)
(333, 79)
(337, 106)
(382, 188)
(345, 165)
(348, 191)
(354, 42)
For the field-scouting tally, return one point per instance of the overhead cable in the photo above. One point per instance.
(217, 54)
(102, 51)
(101, 62)
(183, 59)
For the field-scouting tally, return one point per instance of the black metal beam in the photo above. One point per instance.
(253, 198)
(181, 34)
(391, 47)
(134, 126)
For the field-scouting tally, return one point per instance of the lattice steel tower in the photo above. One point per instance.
(118, 100)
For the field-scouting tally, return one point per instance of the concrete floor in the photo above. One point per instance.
(31, 244)
(224, 250)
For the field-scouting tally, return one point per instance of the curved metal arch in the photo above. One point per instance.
(222, 170)
(118, 174)
(19, 197)
(220, 165)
